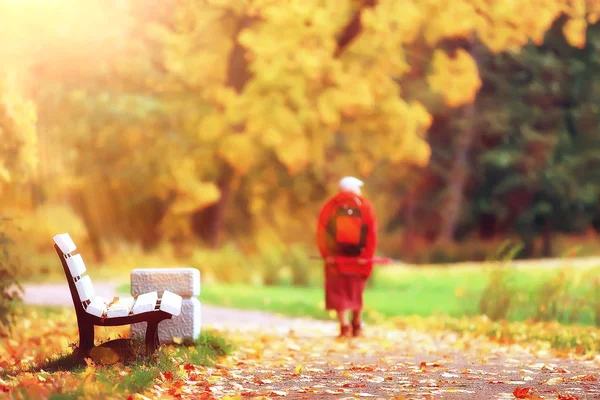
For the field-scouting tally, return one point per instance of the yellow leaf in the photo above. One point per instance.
(211, 127)
(177, 340)
(4, 174)
(239, 150)
(328, 109)
(194, 196)
(574, 31)
(299, 369)
(456, 78)
(294, 154)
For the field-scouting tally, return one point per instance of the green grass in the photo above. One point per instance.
(454, 292)
(399, 291)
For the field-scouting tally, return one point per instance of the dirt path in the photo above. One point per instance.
(301, 358)
(389, 363)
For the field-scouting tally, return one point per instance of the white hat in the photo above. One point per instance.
(350, 184)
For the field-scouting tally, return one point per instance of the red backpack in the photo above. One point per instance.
(346, 229)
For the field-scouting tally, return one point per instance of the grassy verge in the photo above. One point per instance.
(578, 339)
(35, 361)
(566, 294)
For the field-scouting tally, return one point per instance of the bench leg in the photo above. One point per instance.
(86, 338)
(151, 338)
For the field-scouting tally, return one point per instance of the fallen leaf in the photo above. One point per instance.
(189, 367)
(449, 375)
(299, 369)
(553, 381)
(114, 301)
(522, 393)
(278, 393)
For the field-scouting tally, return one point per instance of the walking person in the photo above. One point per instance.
(347, 237)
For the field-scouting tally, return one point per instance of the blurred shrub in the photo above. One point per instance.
(455, 252)
(32, 238)
(565, 294)
(10, 289)
(272, 264)
(48, 220)
(424, 252)
(593, 295)
(281, 264)
(501, 293)
(227, 264)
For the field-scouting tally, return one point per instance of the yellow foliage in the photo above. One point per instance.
(239, 151)
(574, 31)
(168, 90)
(18, 147)
(457, 77)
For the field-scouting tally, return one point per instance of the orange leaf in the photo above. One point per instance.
(189, 367)
(114, 300)
(567, 397)
(522, 393)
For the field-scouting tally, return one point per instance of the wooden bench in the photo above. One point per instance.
(94, 310)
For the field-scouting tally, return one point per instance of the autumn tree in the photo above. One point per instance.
(533, 162)
(202, 117)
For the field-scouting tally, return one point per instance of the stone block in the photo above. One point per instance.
(186, 325)
(182, 281)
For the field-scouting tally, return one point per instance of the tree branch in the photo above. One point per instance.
(353, 28)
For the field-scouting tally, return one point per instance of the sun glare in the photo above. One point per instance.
(67, 29)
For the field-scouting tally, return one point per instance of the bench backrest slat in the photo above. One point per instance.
(76, 265)
(85, 289)
(65, 243)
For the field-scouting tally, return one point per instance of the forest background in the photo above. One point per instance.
(209, 133)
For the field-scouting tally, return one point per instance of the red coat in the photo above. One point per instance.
(349, 265)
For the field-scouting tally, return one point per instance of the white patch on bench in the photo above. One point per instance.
(85, 289)
(121, 308)
(65, 243)
(170, 303)
(76, 265)
(145, 302)
(97, 307)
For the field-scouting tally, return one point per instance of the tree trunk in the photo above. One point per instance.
(353, 28)
(409, 229)
(457, 179)
(208, 222)
(82, 206)
(547, 235)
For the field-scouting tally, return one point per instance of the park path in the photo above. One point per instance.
(295, 358)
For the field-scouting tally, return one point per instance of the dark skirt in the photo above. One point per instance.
(344, 291)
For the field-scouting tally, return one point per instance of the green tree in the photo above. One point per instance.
(533, 163)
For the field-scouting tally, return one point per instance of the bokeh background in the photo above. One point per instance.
(209, 133)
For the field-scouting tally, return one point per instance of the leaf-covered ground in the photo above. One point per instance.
(278, 357)
(391, 363)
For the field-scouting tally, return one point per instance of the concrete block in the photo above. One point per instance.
(186, 325)
(182, 281)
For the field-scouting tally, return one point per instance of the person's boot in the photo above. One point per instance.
(345, 331)
(356, 329)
